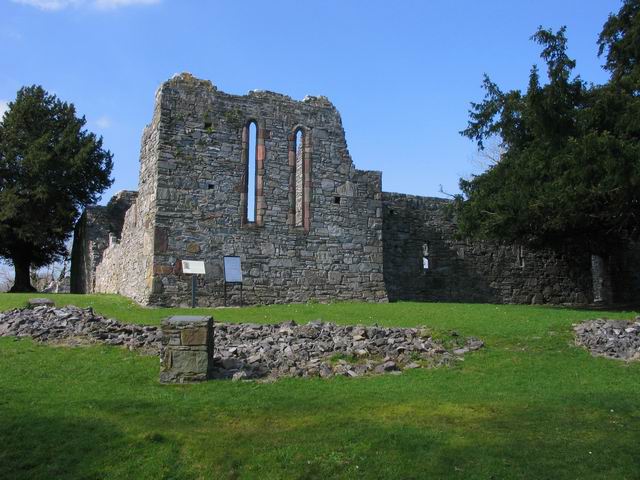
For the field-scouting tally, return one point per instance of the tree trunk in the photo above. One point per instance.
(22, 281)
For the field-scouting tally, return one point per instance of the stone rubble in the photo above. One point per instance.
(326, 349)
(618, 339)
(252, 351)
(74, 325)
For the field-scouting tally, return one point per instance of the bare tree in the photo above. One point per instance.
(490, 155)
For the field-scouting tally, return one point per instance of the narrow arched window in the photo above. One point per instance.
(250, 148)
(300, 178)
(299, 149)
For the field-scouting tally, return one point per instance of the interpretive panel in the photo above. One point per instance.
(195, 267)
(232, 270)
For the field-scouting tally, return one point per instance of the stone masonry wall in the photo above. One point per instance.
(201, 185)
(125, 263)
(323, 230)
(91, 238)
(197, 162)
(121, 238)
(470, 271)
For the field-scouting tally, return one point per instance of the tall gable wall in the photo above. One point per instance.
(199, 171)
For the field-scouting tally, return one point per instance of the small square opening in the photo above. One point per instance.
(207, 125)
(336, 200)
(210, 186)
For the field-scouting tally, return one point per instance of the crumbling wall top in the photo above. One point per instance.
(186, 79)
(189, 79)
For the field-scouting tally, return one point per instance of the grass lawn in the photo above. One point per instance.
(529, 405)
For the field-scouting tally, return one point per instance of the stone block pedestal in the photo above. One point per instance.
(187, 343)
(40, 302)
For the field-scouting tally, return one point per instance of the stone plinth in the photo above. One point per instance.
(187, 349)
(40, 302)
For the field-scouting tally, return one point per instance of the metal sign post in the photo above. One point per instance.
(232, 275)
(193, 291)
(193, 267)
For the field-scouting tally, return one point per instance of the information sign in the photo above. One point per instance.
(195, 267)
(232, 270)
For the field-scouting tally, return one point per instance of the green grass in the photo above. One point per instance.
(529, 405)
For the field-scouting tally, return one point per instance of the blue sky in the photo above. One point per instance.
(402, 73)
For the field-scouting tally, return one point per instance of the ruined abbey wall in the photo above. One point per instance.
(127, 261)
(194, 181)
(318, 229)
(113, 245)
(470, 271)
(93, 233)
(90, 238)
(126, 267)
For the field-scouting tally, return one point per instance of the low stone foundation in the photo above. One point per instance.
(197, 350)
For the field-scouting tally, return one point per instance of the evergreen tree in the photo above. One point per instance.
(50, 167)
(570, 171)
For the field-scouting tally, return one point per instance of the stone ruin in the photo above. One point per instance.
(616, 339)
(271, 180)
(194, 349)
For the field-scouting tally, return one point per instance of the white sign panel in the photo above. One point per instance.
(195, 267)
(232, 270)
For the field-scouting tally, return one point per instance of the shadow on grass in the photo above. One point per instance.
(596, 307)
(529, 442)
(405, 438)
(44, 447)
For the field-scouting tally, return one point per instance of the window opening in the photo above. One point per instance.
(299, 149)
(520, 256)
(251, 172)
(425, 257)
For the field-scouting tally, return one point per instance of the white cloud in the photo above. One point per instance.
(111, 4)
(4, 106)
(55, 5)
(103, 122)
(50, 5)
